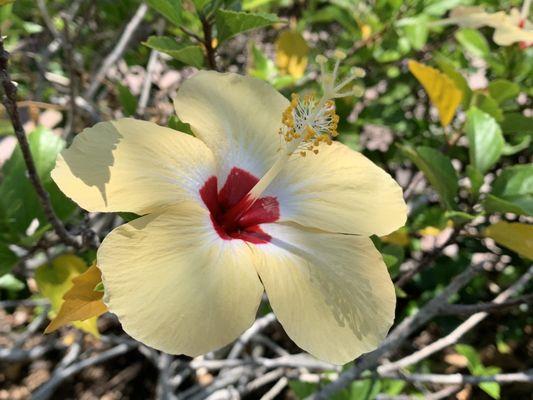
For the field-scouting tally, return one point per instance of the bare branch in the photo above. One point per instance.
(458, 332)
(117, 51)
(490, 307)
(10, 103)
(47, 390)
(399, 334)
(460, 379)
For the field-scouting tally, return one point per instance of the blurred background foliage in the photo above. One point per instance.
(453, 126)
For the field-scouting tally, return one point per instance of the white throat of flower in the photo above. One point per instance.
(309, 121)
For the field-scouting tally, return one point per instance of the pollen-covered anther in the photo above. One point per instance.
(308, 122)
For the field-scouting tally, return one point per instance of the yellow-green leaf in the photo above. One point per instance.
(291, 53)
(442, 91)
(81, 301)
(55, 280)
(513, 235)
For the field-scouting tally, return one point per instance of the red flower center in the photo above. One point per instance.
(232, 215)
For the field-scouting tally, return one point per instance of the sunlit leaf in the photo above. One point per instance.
(512, 191)
(186, 53)
(55, 280)
(501, 90)
(473, 42)
(291, 53)
(513, 235)
(442, 91)
(439, 171)
(81, 301)
(485, 139)
(170, 9)
(230, 23)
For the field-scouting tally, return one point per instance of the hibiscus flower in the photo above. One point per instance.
(259, 199)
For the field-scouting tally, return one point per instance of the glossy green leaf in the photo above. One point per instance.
(186, 53)
(230, 23)
(473, 42)
(501, 90)
(18, 198)
(485, 139)
(487, 104)
(170, 9)
(439, 171)
(512, 191)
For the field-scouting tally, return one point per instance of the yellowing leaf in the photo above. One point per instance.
(55, 280)
(4, 2)
(291, 53)
(399, 237)
(442, 91)
(513, 235)
(81, 301)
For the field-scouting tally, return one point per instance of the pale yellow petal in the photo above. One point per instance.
(175, 285)
(131, 165)
(506, 35)
(237, 117)
(339, 190)
(332, 293)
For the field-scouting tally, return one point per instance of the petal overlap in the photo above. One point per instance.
(237, 117)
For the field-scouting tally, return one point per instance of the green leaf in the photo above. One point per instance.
(186, 53)
(491, 388)
(170, 9)
(439, 171)
(9, 282)
(474, 361)
(302, 389)
(501, 90)
(512, 191)
(476, 179)
(446, 66)
(473, 42)
(485, 139)
(262, 67)
(517, 143)
(488, 104)
(175, 123)
(7, 259)
(18, 199)
(230, 23)
(416, 30)
(517, 123)
(127, 100)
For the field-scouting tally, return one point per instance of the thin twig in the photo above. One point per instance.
(490, 307)
(458, 332)
(207, 28)
(47, 390)
(10, 103)
(455, 379)
(117, 51)
(399, 334)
